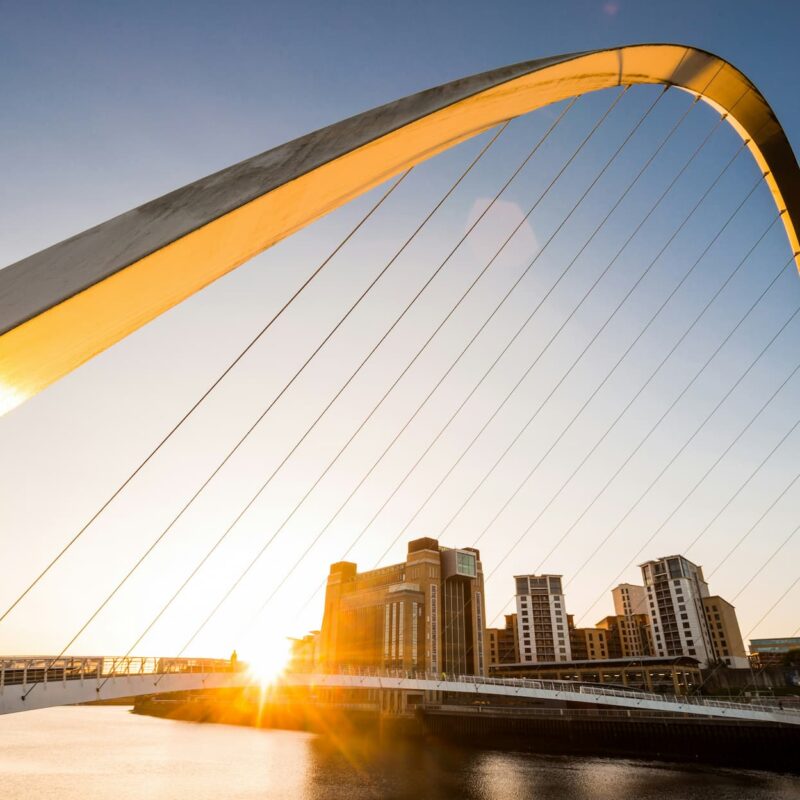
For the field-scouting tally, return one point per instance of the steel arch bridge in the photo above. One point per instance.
(67, 681)
(67, 303)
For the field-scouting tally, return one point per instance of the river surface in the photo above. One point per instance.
(107, 752)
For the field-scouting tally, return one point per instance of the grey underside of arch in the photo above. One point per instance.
(43, 280)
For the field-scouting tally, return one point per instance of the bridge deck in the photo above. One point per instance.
(29, 683)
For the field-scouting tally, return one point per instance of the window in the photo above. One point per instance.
(691, 651)
(684, 616)
(434, 606)
(465, 564)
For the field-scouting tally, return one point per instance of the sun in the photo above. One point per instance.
(267, 661)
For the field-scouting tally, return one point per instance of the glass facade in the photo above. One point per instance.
(465, 565)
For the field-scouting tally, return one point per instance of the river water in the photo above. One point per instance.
(106, 752)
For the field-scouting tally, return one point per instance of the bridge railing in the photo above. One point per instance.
(772, 705)
(41, 669)
(760, 703)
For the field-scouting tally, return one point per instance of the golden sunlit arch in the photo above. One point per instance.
(62, 306)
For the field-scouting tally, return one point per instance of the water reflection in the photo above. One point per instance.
(97, 753)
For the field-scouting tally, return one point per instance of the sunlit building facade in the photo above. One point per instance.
(503, 642)
(426, 614)
(542, 630)
(726, 637)
(632, 632)
(675, 590)
(588, 644)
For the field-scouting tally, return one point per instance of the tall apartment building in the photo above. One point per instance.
(426, 613)
(633, 621)
(542, 631)
(675, 590)
(629, 599)
(726, 637)
(503, 644)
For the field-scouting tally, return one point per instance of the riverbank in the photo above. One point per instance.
(555, 731)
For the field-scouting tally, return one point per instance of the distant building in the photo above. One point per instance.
(426, 613)
(771, 652)
(675, 590)
(629, 599)
(680, 675)
(633, 623)
(587, 644)
(541, 619)
(726, 638)
(503, 642)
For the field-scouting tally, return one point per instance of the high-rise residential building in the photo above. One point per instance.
(503, 645)
(726, 638)
(633, 623)
(426, 613)
(629, 599)
(542, 631)
(675, 590)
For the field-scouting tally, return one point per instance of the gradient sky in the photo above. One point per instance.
(107, 105)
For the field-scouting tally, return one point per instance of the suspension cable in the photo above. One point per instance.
(683, 392)
(730, 391)
(705, 475)
(769, 508)
(608, 375)
(738, 491)
(519, 331)
(597, 389)
(468, 345)
(754, 675)
(203, 396)
(552, 339)
(285, 388)
(330, 465)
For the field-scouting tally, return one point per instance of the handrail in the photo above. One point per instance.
(41, 669)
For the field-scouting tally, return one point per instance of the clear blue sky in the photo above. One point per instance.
(107, 105)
